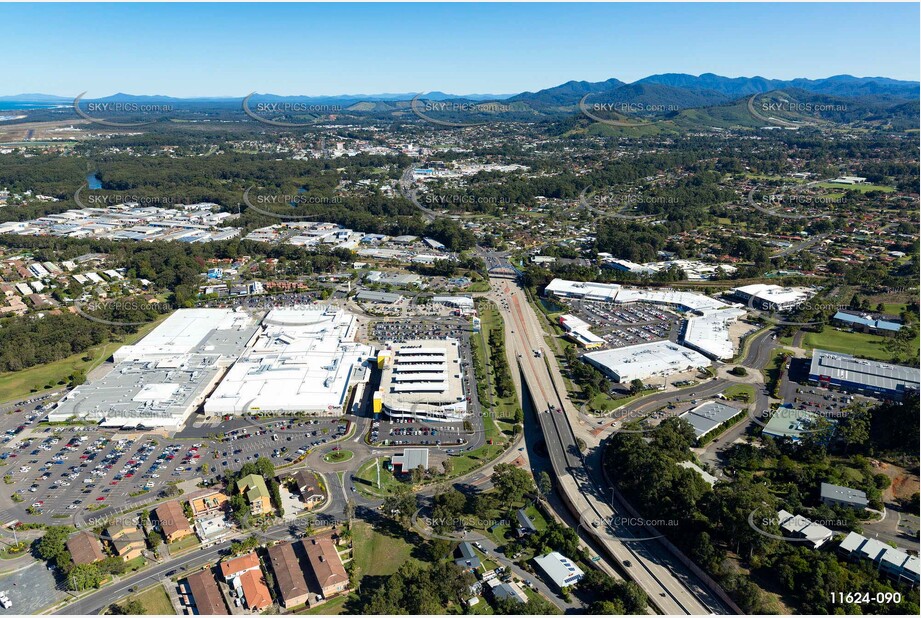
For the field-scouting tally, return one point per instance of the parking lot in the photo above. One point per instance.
(398, 331)
(625, 325)
(57, 472)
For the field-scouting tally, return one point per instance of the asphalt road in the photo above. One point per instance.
(670, 587)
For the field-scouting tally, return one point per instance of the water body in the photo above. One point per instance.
(92, 180)
(21, 105)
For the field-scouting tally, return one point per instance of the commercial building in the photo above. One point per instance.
(380, 298)
(709, 333)
(289, 577)
(771, 297)
(422, 379)
(171, 520)
(161, 380)
(329, 574)
(205, 594)
(790, 423)
(257, 494)
(208, 503)
(708, 416)
(863, 376)
(559, 569)
(85, 548)
(646, 360)
(579, 331)
(895, 563)
(801, 528)
(301, 360)
(309, 487)
(836, 495)
(463, 303)
(866, 323)
(410, 459)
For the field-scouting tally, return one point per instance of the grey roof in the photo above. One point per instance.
(378, 297)
(411, 458)
(874, 374)
(524, 521)
(708, 416)
(790, 423)
(468, 556)
(843, 494)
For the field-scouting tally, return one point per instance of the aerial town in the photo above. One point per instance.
(619, 347)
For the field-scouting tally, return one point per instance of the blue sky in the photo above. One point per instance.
(234, 49)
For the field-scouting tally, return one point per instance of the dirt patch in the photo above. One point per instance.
(904, 483)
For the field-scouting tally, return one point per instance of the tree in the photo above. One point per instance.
(448, 466)
(636, 385)
(400, 506)
(84, 576)
(52, 545)
(511, 483)
(131, 607)
(544, 484)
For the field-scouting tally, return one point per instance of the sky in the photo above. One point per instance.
(188, 50)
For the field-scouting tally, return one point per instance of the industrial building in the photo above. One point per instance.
(771, 297)
(708, 416)
(837, 495)
(422, 379)
(790, 423)
(562, 571)
(647, 360)
(410, 459)
(304, 359)
(161, 380)
(380, 298)
(867, 377)
(866, 323)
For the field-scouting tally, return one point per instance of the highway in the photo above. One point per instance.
(671, 588)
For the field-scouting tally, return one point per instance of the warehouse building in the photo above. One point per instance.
(863, 376)
(304, 359)
(559, 569)
(422, 379)
(708, 416)
(647, 360)
(160, 381)
(380, 298)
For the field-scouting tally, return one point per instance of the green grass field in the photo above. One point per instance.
(368, 474)
(338, 456)
(18, 385)
(155, 601)
(858, 344)
(376, 553)
(744, 391)
(859, 188)
(333, 607)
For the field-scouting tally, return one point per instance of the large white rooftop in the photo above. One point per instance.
(304, 359)
(660, 358)
(423, 379)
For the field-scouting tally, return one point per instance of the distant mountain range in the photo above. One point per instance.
(683, 89)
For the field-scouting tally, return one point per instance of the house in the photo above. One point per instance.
(559, 569)
(510, 590)
(289, 576)
(233, 568)
(171, 520)
(525, 525)
(329, 574)
(208, 504)
(801, 528)
(309, 488)
(467, 557)
(205, 594)
(257, 493)
(254, 590)
(836, 495)
(85, 548)
(128, 542)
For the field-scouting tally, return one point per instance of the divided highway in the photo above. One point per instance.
(671, 587)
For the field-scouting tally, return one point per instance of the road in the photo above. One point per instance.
(670, 586)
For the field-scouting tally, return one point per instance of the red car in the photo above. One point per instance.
(100, 498)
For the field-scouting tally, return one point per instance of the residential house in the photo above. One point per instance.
(171, 520)
(85, 548)
(257, 494)
(329, 574)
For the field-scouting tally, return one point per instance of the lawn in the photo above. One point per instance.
(330, 608)
(338, 456)
(183, 544)
(376, 553)
(745, 392)
(20, 384)
(155, 601)
(861, 188)
(366, 480)
(858, 344)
